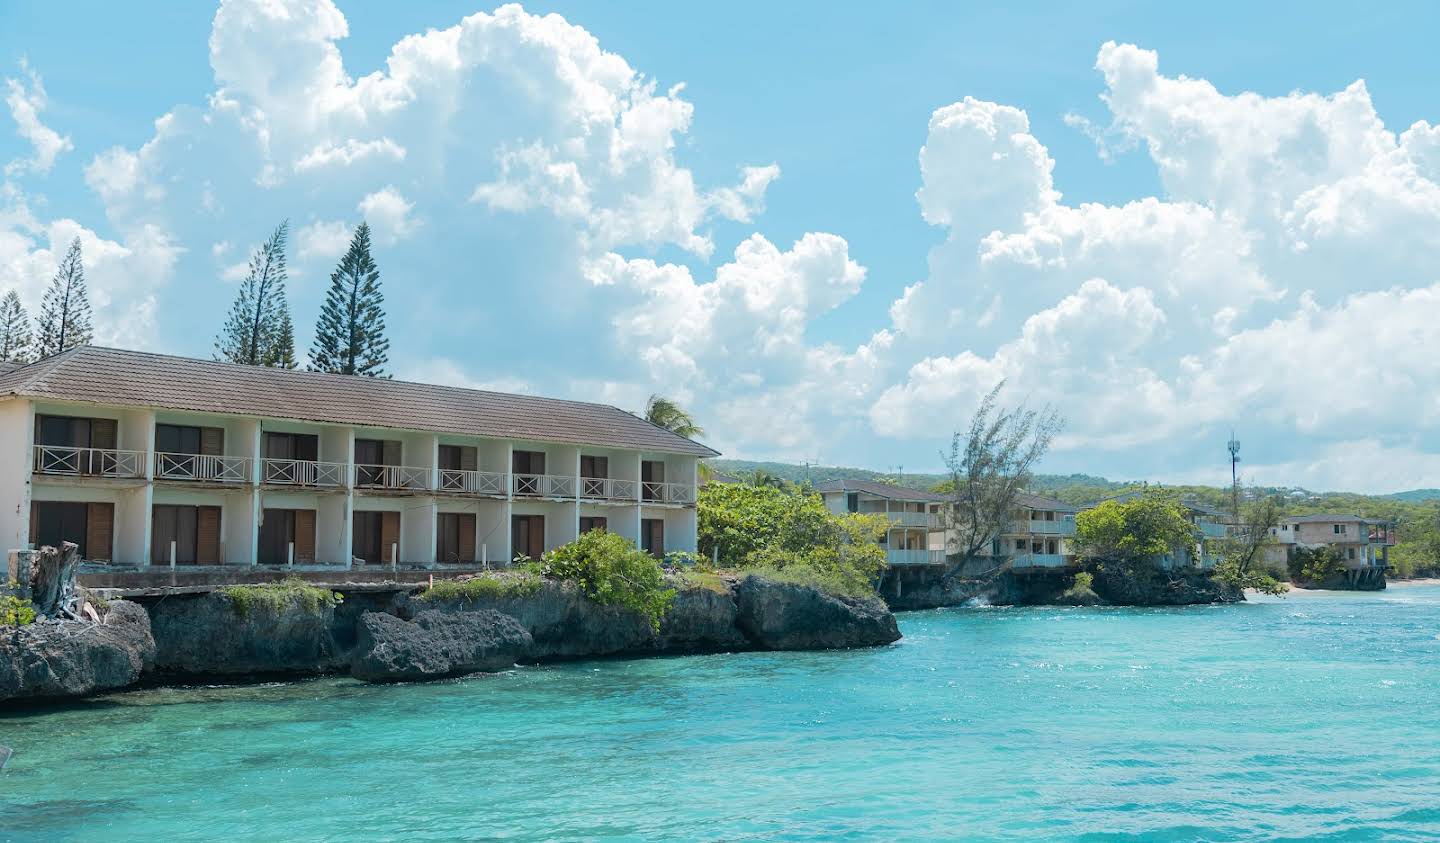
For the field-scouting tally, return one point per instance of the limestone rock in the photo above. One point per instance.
(783, 616)
(76, 658)
(436, 644)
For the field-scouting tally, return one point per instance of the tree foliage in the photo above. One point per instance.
(990, 465)
(1241, 554)
(64, 320)
(254, 332)
(667, 413)
(610, 570)
(789, 529)
(1149, 526)
(1313, 565)
(14, 329)
(350, 335)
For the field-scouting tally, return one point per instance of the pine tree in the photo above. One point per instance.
(281, 354)
(254, 323)
(14, 330)
(350, 335)
(64, 320)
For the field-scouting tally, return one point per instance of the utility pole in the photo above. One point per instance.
(1234, 447)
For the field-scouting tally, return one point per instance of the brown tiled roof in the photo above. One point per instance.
(135, 378)
(1043, 503)
(883, 490)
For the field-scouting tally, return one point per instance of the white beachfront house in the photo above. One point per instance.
(916, 534)
(150, 460)
(1036, 538)
(1363, 543)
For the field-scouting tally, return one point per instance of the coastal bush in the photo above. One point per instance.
(1149, 526)
(610, 570)
(275, 597)
(15, 611)
(1315, 564)
(483, 587)
(691, 579)
(789, 529)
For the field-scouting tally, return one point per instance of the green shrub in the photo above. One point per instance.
(1082, 581)
(483, 587)
(1315, 564)
(610, 570)
(691, 579)
(798, 572)
(275, 597)
(16, 612)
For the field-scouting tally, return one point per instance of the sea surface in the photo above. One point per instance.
(1314, 717)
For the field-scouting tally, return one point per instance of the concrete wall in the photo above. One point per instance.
(17, 438)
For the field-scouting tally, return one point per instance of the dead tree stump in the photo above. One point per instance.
(52, 581)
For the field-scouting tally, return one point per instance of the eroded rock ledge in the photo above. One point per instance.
(393, 636)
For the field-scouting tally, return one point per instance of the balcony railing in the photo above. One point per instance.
(469, 482)
(395, 477)
(1213, 530)
(1038, 560)
(609, 488)
(914, 519)
(308, 473)
(914, 557)
(89, 462)
(1037, 527)
(202, 467)
(656, 492)
(543, 485)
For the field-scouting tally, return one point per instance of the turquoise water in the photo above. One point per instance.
(1305, 718)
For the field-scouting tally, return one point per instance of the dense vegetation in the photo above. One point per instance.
(786, 532)
(486, 586)
(276, 597)
(610, 570)
(15, 611)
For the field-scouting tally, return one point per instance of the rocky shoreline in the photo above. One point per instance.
(941, 587)
(392, 636)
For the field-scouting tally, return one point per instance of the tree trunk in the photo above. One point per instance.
(52, 581)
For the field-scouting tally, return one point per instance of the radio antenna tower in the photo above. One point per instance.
(1234, 447)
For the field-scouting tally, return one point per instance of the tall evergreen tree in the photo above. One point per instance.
(282, 346)
(350, 335)
(254, 324)
(14, 329)
(64, 320)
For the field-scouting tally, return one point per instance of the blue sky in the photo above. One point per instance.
(1279, 221)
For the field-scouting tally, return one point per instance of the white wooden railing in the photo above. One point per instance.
(214, 469)
(95, 462)
(543, 485)
(472, 482)
(656, 492)
(303, 472)
(609, 488)
(1041, 527)
(392, 477)
(918, 556)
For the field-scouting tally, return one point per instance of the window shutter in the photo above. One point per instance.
(100, 531)
(207, 535)
(537, 535)
(102, 433)
(391, 453)
(389, 534)
(468, 459)
(212, 441)
(467, 536)
(305, 536)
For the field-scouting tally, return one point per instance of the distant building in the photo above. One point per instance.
(1363, 543)
(1037, 537)
(1211, 525)
(916, 534)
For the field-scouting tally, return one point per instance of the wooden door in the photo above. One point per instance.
(527, 535)
(178, 525)
(55, 522)
(304, 536)
(455, 540)
(389, 536)
(365, 538)
(99, 532)
(212, 441)
(652, 537)
(207, 535)
(593, 522)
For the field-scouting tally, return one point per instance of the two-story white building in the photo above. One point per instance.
(151, 460)
(916, 534)
(1362, 543)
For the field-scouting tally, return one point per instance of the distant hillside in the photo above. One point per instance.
(1085, 488)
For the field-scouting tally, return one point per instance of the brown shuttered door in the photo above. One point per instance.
(207, 535)
(212, 441)
(102, 433)
(100, 532)
(304, 536)
(391, 452)
(389, 535)
(537, 535)
(469, 459)
(652, 537)
(467, 536)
